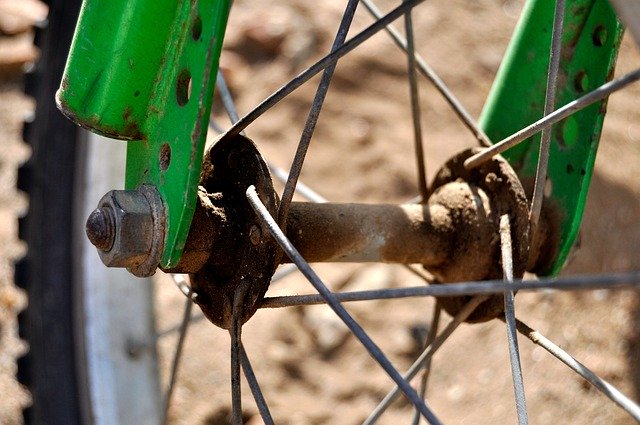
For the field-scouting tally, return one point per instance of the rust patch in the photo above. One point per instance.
(235, 259)
(477, 243)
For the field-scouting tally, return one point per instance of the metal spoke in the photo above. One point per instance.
(279, 173)
(198, 316)
(431, 75)
(213, 125)
(549, 106)
(335, 305)
(624, 280)
(263, 408)
(301, 188)
(510, 319)
(420, 272)
(415, 107)
(314, 114)
(426, 356)
(236, 395)
(236, 343)
(607, 389)
(433, 331)
(314, 69)
(184, 326)
(227, 99)
(559, 114)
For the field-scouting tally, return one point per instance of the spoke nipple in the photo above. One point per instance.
(100, 228)
(255, 235)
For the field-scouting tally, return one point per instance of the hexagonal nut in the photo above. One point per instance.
(133, 240)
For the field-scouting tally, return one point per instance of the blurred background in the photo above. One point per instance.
(311, 370)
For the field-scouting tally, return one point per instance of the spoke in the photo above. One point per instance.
(279, 173)
(415, 107)
(182, 284)
(236, 343)
(559, 114)
(607, 389)
(301, 188)
(580, 282)
(255, 388)
(433, 331)
(510, 320)
(184, 326)
(213, 125)
(227, 99)
(326, 61)
(549, 106)
(420, 273)
(431, 75)
(426, 356)
(195, 318)
(335, 305)
(314, 114)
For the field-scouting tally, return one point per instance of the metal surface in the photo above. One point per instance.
(452, 234)
(416, 117)
(144, 71)
(231, 165)
(549, 106)
(406, 234)
(258, 396)
(474, 258)
(371, 347)
(510, 320)
(589, 43)
(128, 228)
(573, 283)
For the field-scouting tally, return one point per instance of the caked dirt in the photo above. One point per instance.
(311, 370)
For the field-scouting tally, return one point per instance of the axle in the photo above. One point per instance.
(229, 250)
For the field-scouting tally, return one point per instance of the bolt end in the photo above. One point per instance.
(100, 228)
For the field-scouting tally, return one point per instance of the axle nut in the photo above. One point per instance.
(127, 228)
(100, 228)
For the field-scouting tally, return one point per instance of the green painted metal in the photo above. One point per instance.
(144, 71)
(590, 42)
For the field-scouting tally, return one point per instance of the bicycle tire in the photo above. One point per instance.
(68, 324)
(48, 369)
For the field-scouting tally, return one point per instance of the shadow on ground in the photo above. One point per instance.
(610, 240)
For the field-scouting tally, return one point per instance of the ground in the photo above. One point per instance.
(311, 371)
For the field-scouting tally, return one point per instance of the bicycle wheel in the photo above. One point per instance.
(270, 134)
(78, 368)
(344, 396)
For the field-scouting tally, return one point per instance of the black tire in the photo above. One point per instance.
(46, 272)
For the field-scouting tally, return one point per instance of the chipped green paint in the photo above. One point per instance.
(144, 71)
(590, 43)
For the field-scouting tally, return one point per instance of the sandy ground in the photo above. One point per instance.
(311, 371)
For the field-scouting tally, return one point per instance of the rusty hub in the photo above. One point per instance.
(477, 254)
(228, 249)
(454, 234)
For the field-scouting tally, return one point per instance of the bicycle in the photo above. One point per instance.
(182, 93)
